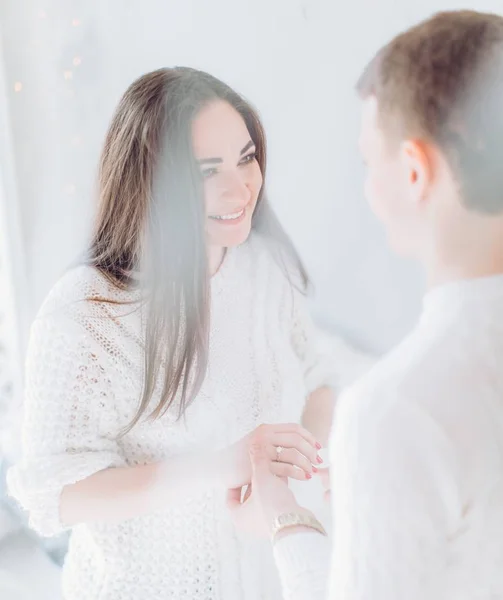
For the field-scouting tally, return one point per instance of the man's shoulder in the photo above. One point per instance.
(420, 365)
(423, 380)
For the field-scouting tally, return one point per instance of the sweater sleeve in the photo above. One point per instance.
(326, 360)
(68, 401)
(395, 501)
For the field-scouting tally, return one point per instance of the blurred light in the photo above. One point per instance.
(42, 14)
(68, 74)
(76, 22)
(76, 140)
(77, 61)
(18, 86)
(70, 188)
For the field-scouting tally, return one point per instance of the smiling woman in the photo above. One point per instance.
(232, 181)
(155, 365)
(157, 200)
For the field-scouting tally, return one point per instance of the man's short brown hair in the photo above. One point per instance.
(442, 81)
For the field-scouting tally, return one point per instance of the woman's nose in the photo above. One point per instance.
(235, 188)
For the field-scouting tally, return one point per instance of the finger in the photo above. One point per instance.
(293, 457)
(234, 498)
(325, 478)
(299, 430)
(283, 470)
(293, 440)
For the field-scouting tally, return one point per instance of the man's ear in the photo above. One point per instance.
(417, 158)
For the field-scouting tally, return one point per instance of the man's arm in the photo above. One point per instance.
(394, 495)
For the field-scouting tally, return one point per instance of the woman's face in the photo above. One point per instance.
(232, 177)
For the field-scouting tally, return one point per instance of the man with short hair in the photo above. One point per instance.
(417, 447)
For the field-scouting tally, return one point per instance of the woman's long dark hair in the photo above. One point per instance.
(151, 219)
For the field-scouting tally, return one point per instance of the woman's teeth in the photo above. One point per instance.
(231, 217)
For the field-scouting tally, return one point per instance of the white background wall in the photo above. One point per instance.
(296, 60)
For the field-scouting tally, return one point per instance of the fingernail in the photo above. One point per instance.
(318, 445)
(309, 476)
(319, 459)
(315, 470)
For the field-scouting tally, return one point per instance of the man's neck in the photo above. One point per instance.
(464, 246)
(476, 266)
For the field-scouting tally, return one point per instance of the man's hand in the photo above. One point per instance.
(267, 497)
(325, 481)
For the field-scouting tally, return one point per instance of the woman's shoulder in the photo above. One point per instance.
(85, 309)
(79, 290)
(77, 284)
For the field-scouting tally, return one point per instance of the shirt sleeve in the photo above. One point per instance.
(303, 561)
(67, 408)
(395, 500)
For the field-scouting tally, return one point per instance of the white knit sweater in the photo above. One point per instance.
(84, 376)
(417, 466)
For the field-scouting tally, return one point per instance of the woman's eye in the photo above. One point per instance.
(248, 158)
(206, 173)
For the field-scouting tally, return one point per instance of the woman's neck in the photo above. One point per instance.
(216, 255)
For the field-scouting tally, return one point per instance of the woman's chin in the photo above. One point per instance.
(233, 236)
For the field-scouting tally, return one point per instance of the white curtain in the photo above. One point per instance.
(13, 289)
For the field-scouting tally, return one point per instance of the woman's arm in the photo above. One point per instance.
(319, 413)
(73, 469)
(319, 368)
(120, 493)
(116, 494)
(69, 408)
(329, 365)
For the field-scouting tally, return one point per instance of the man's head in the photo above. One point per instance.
(432, 130)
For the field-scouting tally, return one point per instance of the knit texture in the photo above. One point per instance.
(83, 383)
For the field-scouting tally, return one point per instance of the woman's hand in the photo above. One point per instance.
(289, 450)
(267, 497)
